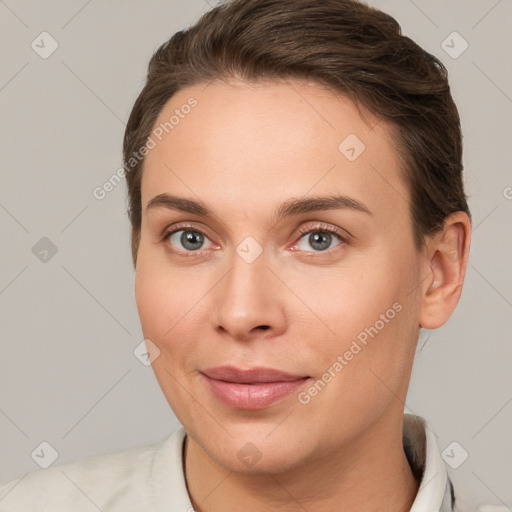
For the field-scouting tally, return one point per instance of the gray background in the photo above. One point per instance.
(69, 325)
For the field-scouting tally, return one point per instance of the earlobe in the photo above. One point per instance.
(446, 259)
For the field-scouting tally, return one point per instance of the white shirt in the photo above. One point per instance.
(151, 479)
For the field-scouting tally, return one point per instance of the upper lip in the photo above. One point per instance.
(250, 375)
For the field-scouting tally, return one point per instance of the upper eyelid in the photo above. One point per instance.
(320, 226)
(340, 232)
(185, 227)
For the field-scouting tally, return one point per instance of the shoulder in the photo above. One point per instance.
(113, 482)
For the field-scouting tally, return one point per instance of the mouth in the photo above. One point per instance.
(253, 388)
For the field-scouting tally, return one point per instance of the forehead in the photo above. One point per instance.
(249, 144)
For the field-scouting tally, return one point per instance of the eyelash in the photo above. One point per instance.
(321, 228)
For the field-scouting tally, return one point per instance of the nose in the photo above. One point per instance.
(249, 302)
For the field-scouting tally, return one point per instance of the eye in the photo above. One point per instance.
(320, 238)
(189, 238)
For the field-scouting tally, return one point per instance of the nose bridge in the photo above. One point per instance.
(245, 298)
(245, 284)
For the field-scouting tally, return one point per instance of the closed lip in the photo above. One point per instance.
(254, 375)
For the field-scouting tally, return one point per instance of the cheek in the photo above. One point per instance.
(174, 308)
(152, 297)
(164, 303)
(345, 301)
(364, 366)
(369, 318)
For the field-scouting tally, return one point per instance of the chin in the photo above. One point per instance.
(252, 450)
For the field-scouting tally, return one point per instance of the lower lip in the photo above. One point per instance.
(252, 396)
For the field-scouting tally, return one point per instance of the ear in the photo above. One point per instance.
(446, 257)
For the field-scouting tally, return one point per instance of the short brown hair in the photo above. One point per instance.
(353, 49)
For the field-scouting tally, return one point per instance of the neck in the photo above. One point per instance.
(367, 474)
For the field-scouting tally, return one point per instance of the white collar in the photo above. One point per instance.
(435, 493)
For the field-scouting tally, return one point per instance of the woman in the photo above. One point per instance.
(298, 215)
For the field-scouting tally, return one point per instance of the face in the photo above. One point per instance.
(286, 320)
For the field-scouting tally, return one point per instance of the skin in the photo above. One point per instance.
(244, 150)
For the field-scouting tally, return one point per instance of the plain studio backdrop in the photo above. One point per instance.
(68, 322)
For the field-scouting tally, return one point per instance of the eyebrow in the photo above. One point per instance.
(287, 209)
